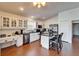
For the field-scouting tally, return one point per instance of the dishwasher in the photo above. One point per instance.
(26, 38)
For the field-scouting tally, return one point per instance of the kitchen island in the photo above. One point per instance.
(45, 40)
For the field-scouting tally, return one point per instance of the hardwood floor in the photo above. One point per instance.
(0, 51)
(34, 49)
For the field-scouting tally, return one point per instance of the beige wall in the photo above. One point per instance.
(53, 20)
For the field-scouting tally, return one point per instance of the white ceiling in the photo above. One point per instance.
(51, 9)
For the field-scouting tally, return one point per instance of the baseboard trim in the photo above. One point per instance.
(65, 41)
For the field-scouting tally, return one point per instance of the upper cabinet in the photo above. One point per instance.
(25, 23)
(20, 23)
(5, 22)
(13, 23)
(31, 25)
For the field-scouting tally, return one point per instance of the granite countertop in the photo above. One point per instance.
(47, 35)
(9, 36)
(30, 32)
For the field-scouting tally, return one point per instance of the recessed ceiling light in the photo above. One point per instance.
(21, 8)
(32, 16)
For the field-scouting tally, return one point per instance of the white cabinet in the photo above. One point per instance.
(5, 22)
(2, 41)
(20, 23)
(34, 37)
(45, 41)
(13, 23)
(25, 23)
(5, 42)
(31, 25)
(6, 39)
(19, 41)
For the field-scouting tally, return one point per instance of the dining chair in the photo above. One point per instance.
(56, 42)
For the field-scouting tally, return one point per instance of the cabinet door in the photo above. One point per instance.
(31, 25)
(25, 23)
(13, 23)
(20, 24)
(37, 37)
(34, 37)
(2, 41)
(19, 41)
(5, 22)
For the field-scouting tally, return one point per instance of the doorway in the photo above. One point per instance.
(75, 31)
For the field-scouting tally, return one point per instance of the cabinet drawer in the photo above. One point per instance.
(37, 37)
(2, 41)
(9, 39)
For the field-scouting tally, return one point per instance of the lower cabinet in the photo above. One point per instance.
(34, 37)
(8, 41)
(19, 40)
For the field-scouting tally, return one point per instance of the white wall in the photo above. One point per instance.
(40, 22)
(53, 20)
(65, 23)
